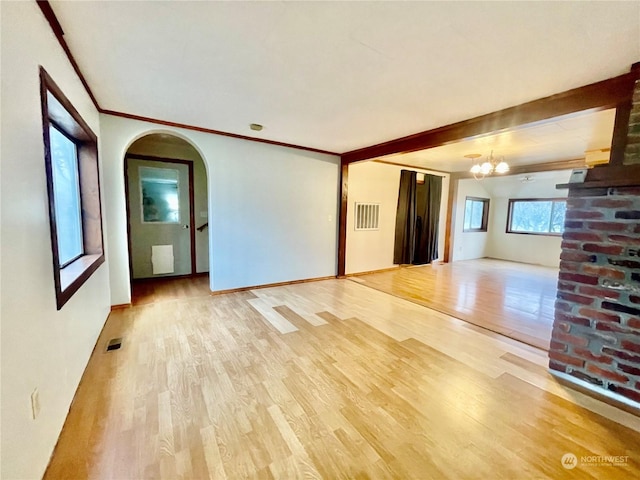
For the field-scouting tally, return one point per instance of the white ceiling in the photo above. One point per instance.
(341, 75)
(562, 138)
(534, 185)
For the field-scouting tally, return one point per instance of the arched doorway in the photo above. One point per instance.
(167, 208)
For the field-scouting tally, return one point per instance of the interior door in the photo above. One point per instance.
(159, 218)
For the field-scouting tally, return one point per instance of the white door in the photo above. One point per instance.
(159, 218)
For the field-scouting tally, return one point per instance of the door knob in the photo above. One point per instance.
(185, 226)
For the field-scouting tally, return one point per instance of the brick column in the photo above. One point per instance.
(632, 150)
(596, 332)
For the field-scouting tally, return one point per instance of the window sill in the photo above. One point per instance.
(538, 234)
(73, 276)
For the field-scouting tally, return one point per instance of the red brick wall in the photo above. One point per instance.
(596, 332)
(632, 151)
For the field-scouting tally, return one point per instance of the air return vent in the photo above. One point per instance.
(367, 216)
(114, 344)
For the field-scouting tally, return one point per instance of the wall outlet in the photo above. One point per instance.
(35, 404)
(330, 218)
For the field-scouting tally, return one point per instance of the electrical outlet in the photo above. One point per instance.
(330, 218)
(35, 404)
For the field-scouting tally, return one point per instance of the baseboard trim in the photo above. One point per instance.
(610, 398)
(170, 277)
(270, 285)
(120, 306)
(369, 272)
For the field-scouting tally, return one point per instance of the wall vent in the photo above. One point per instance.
(367, 216)
(114, 344)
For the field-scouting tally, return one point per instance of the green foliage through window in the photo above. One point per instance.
(539, 216)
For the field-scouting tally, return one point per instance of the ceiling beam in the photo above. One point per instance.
(533, 168)
(601, 95)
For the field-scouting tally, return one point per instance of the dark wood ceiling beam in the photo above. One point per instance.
(601, 95)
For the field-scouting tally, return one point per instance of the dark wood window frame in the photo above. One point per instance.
(58, 111)
(510, 215)
(485, 214)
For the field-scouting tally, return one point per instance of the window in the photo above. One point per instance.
(66, 193)
(537, 216)
(160, 195)
(73, 186)
(476, 214)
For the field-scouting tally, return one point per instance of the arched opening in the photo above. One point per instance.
(166, 192)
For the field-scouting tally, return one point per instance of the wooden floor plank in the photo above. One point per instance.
(512, 299)
(368, 386)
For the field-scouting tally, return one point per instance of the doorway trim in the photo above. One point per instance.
(192, 217)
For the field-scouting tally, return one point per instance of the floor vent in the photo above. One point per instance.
(114, 344)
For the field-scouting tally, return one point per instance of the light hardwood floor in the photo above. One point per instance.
(144, 292)
(329, 380)
(513, 299)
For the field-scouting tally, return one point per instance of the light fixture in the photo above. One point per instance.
(489, 166)
(256, 126)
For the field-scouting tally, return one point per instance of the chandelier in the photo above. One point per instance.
(489, 166)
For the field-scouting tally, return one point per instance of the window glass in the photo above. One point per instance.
(160, 195)
(475, 214)
(537, 216)
(66, 188)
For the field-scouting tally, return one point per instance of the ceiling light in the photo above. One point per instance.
(489, 166)
(256, 126)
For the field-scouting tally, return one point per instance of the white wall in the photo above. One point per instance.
(272, 210)
(379, 183)
(469, 245)
(536, 249)
(41, 347)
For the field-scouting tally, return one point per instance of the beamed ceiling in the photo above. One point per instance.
(339, 76)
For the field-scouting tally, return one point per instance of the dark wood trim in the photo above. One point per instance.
(74, 115)
(380, 270)
(128, 213)
(451, 218)
(68, 120)
(620, 133)
(214, 132)
(45, 6)
(533, 168)
(600, 95)
(192, 215)
(48, 13)
(485, 214)
(413, 167)
(120, 306)
(342, 220)
(153, 158)
(270, 285)
(609, 176)
(510, 214)
(192, 218)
